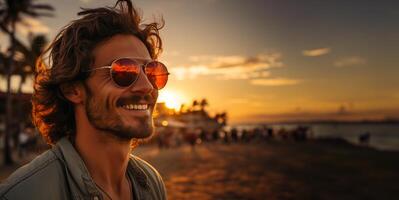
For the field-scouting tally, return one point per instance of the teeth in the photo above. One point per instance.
(136, 106)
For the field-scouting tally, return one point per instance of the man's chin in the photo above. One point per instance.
(128, 133)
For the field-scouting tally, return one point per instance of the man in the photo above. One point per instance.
(93, 103)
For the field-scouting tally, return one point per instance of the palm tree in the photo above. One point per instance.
(182, 108)
(217, 117)
(203, 104)
(25, 67)
(194, 105)
(223, 117)
(11, 12)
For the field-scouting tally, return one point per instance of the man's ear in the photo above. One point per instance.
(73, 92)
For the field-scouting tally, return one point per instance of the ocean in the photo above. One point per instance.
(383, 136)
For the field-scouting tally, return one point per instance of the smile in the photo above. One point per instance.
(135, 106)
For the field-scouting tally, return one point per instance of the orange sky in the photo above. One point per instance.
(271, 60)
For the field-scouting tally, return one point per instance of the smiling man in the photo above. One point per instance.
(93, 103)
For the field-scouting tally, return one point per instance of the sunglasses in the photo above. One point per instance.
(125, 72)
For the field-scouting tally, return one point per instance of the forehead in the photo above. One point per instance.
(119, 46)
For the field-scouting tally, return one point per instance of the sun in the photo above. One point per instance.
(172, 99)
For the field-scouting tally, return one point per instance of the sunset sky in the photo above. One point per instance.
(271, 60)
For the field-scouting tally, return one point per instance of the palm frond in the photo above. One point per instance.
(43, 6)
(31, 13)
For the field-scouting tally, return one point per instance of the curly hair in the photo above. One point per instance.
(70, 56)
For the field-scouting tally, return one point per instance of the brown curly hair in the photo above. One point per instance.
(70, 56)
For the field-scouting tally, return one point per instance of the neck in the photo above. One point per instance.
(106, 158)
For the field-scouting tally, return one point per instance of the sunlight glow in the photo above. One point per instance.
(171, 98)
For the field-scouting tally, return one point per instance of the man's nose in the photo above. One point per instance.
(142, 84)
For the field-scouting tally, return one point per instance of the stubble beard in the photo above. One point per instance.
(102, 118)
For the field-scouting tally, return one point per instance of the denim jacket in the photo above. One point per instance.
(60, 173)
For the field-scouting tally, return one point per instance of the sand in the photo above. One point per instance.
(278, 170)
(273, 170)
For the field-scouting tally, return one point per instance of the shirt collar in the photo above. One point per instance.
(81, 176)
(76, 168)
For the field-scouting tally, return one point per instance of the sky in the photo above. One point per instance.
(270, 60)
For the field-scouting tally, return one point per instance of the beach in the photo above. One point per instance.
(276, 170)
(314, 169)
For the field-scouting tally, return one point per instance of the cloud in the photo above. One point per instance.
(350, 61)
(171, 53)
(252, 68)
(262, 60)
(32, 25)
(191, 72)
(230, 67)
(200, 58)
(316, 52)
(275, 82)
(259, 61)
(244, 75)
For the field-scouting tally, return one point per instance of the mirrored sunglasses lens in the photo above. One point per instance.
(124, 72)
(157, 73)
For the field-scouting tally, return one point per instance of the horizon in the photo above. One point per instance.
(268, 60)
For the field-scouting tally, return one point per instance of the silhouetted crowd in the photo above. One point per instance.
(170, 138)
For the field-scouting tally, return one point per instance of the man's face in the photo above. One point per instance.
(105, 102)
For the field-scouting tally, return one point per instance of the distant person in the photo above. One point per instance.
(226, 137)
(27, 141)
(203, 135)
(257, 133)
(215, 135)
(300, 133)
(364, 138)
(93, 104)
(244, 135)
(270, 134)
(23, 142)
(234, 135)
(283, 133)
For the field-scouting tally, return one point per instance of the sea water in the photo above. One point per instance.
(384, 136)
